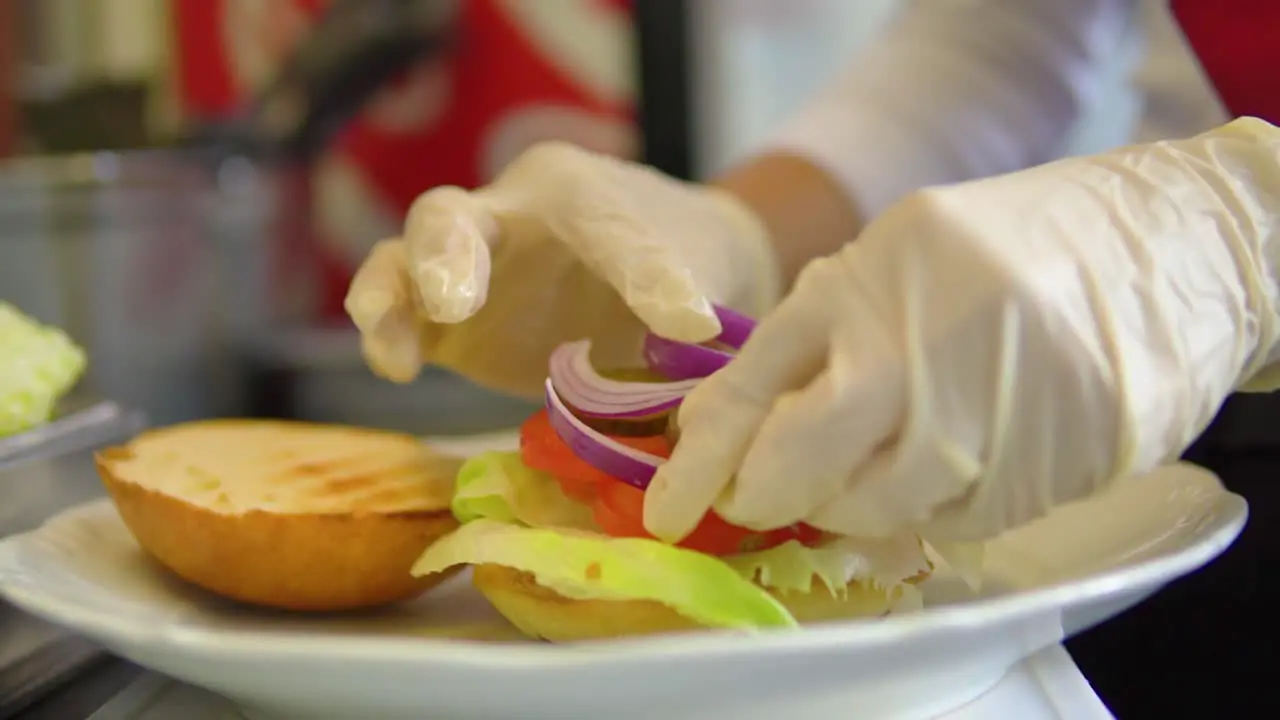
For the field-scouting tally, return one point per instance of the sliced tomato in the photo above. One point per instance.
(611, 521)
(619, 511)
(542, 449)
(619, 508)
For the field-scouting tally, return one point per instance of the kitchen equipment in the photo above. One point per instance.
(172, 265)
(118, 250)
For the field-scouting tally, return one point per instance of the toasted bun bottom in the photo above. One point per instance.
(300, 562)
(542, 613)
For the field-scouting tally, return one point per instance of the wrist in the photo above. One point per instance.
(754, 244)
(1254, 144)
(804, 210)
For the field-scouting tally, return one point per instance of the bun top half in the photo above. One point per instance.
(237, 466)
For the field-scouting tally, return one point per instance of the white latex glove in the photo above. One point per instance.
(989, 350)
(564, 245)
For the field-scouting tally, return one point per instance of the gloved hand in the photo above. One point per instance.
(565, 245)
(989, 350)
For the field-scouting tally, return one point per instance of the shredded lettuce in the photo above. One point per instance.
(518, 517)
(792, 567)
(579, 565)
(38, 365)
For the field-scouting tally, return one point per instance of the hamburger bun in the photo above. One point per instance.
(287, 515)
(542, 613)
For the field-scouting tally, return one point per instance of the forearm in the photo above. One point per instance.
(804, 210)
(953, 91)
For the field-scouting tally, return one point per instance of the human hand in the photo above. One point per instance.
(987, 351)
(564, 245)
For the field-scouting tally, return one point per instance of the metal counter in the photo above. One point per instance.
(41, 473)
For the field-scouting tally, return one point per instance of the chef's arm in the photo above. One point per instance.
(953, 90)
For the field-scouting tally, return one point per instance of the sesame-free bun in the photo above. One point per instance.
(540, 612)
(287, 515)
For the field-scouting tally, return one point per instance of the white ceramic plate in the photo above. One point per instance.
(449, 656)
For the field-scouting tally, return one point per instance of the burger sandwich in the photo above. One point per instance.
(556, 536)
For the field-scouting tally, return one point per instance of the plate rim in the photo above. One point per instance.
(97, 622)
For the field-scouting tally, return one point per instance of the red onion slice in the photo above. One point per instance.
(573, 380)
(578, 384)
(735, 327)
(682, 361)
(616, 460)
(686, 361)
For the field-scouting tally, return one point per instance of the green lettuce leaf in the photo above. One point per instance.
(580, 565)
(498, 486)
(38, 365)
(498, 489)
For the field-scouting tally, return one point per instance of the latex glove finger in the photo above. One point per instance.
(448, 232)
(719, 419)
(831, 426)
(901, 487)
(381, 304)
(602, 210)
(646, 272)
(824, 432)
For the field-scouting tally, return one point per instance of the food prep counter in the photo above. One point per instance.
(42, 472)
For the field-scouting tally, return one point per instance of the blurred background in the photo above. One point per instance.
(187, 185)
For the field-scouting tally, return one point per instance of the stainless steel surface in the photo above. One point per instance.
(42, 472)
(50, 469)
(154, 261)
(80, 428)
(176, 274)
(56, 660)
(87, 693)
